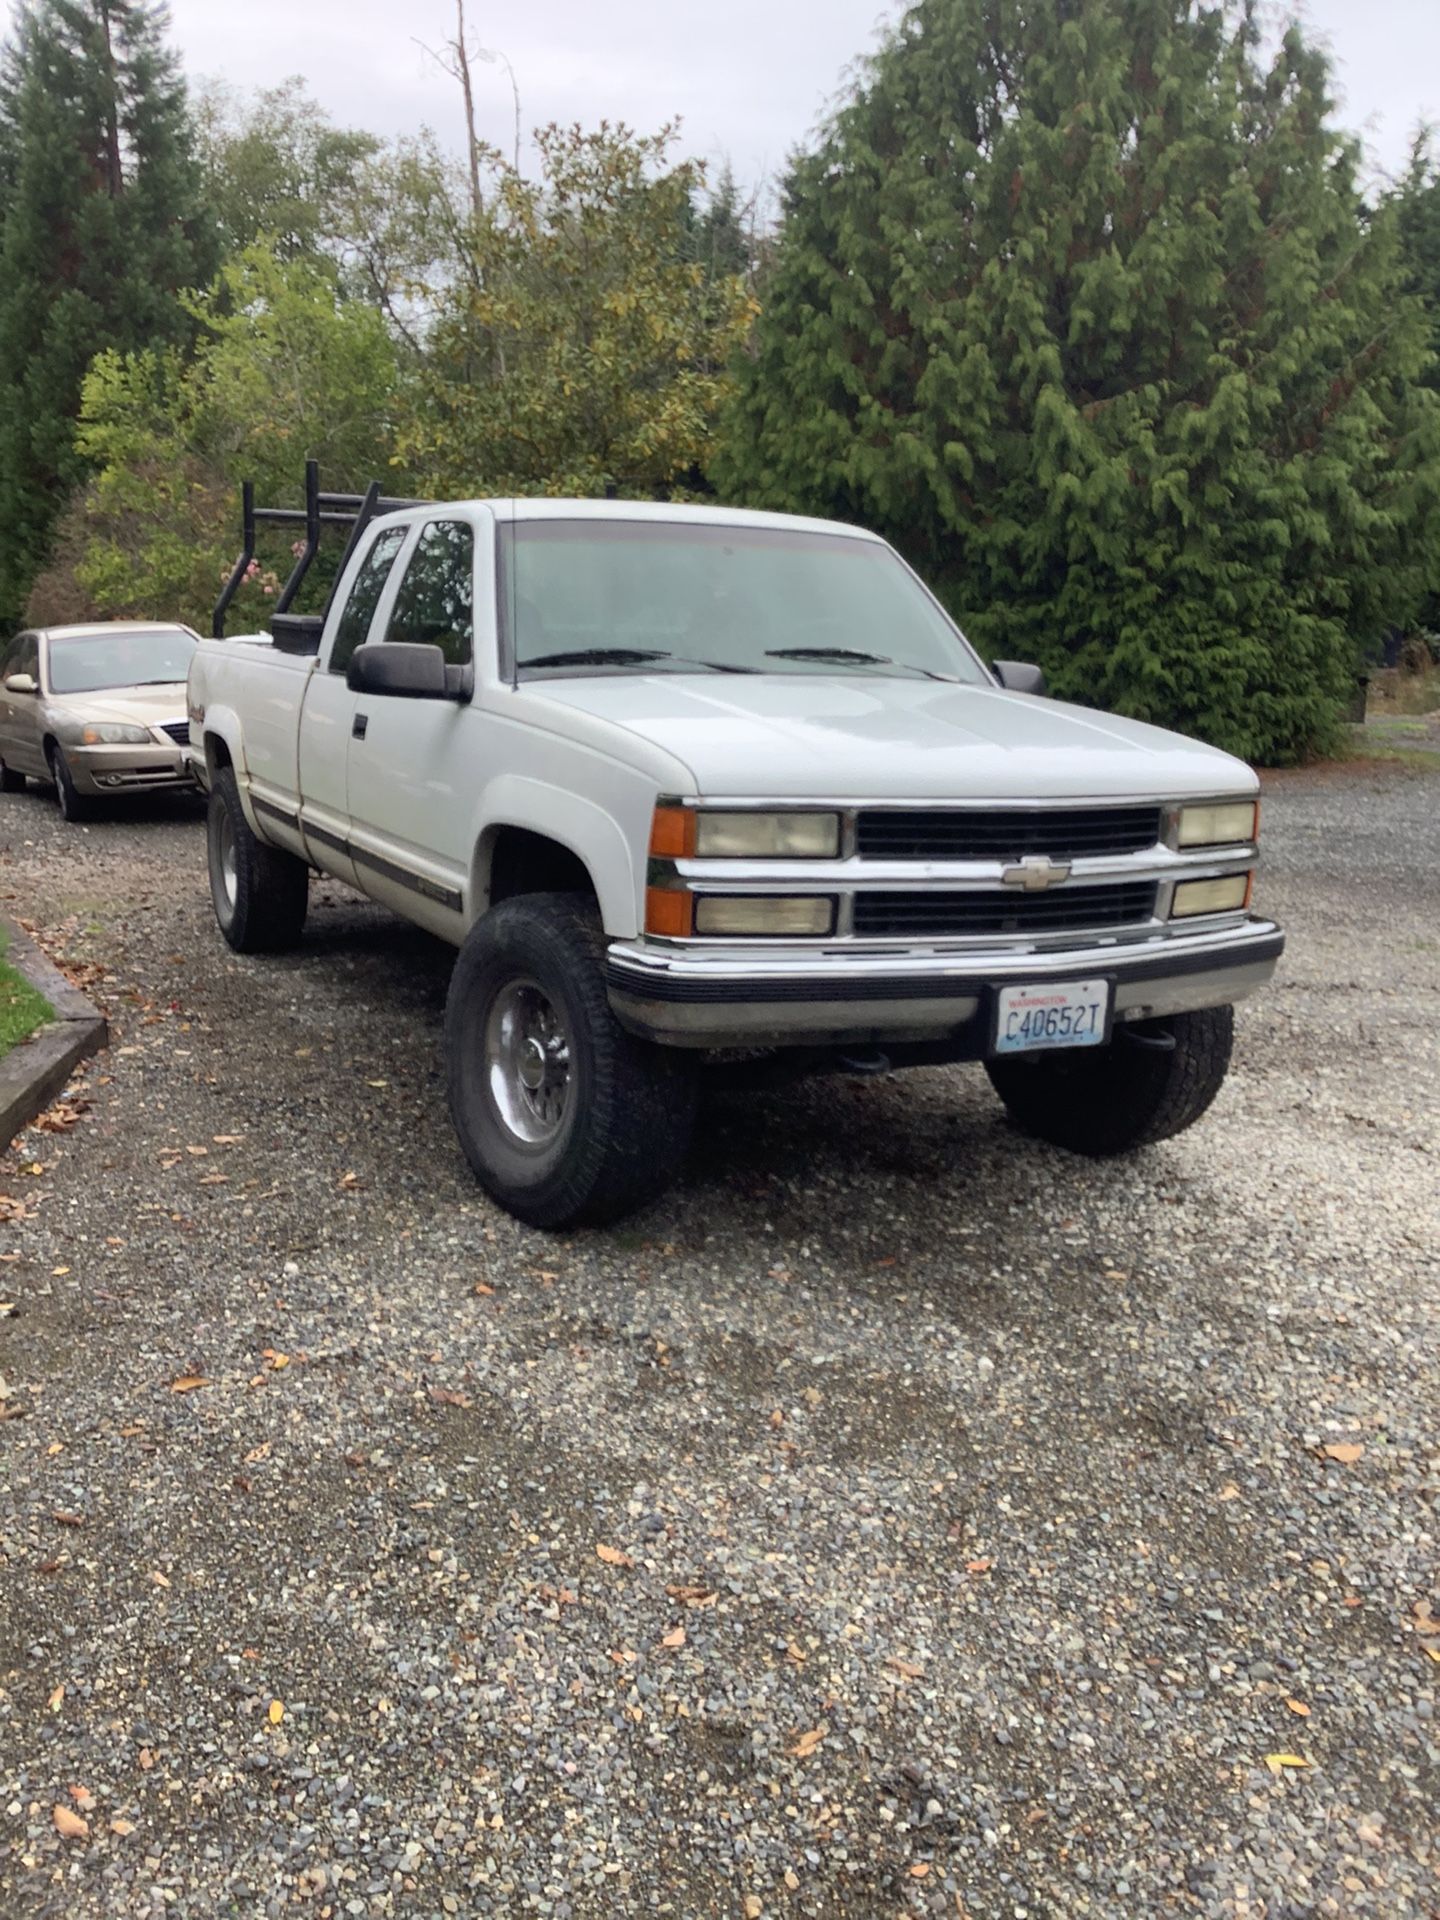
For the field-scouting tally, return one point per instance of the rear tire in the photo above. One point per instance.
(10, 780)
(566, 1118)
(75, 808)
(260, 893)
(1139, 1089)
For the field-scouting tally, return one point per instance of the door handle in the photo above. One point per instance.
(358, 726)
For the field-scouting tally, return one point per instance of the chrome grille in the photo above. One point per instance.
(1006, 833)
(924, 915)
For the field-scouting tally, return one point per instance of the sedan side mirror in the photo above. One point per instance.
(1019, 676)
(401, 669)
(21, 683)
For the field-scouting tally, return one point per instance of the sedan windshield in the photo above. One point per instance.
(655, 596)
(134, 657)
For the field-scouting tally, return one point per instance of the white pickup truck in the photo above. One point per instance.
(681, 781)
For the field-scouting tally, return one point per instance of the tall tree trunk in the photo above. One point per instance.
(114, 176)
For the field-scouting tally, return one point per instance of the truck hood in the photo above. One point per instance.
(814, 736)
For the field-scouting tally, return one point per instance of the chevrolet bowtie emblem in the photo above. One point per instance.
(1036, 871)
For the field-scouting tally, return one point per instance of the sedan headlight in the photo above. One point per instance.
(683, 833)
(106, 733)
(1227, 823)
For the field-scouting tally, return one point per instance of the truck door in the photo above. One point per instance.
(411, 784)
(328, 714)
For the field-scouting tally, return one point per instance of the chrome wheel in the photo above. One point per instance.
(225, 856)
(527, 1063)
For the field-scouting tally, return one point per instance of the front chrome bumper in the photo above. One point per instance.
(689, 998)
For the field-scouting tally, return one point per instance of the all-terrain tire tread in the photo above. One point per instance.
(272, 887)
(1128, 1095)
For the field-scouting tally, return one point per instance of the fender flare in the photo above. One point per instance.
(582, 828)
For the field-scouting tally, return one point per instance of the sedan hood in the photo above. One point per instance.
(851, 737)
(129, 706)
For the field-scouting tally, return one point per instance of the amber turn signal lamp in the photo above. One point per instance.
(669, 912)
(672, 834)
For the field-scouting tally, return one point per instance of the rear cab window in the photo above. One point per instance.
(358, 613)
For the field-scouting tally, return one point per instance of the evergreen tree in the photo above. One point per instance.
(1078, 301)
(102, 229)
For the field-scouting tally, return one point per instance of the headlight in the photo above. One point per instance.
(684, 833)
(1229, 824)
(765, 916)
(104, 733)
(1229, 895)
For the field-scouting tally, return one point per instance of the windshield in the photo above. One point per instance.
(650, 596)
(136, 657)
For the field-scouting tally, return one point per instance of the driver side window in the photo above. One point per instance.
(435, 603)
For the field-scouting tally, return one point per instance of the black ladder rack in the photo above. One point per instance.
(300, 633)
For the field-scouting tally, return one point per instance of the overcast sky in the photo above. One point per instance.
(750, 78)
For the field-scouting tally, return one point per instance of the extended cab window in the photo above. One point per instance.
(364, 597)
(435, 605)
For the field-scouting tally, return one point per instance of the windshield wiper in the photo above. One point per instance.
(852, 653)
(628, 657)
(598, 657)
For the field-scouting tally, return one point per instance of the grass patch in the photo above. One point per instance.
(1392, 744)
(22, 1009)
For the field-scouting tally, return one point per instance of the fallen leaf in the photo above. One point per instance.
(675, 1637)
(122, 1827)
(350, 1183)
(277, 1712)
(58, 1273)
(1346, 1452)
(69, 1519)
(227, 1139)
(777, 1418)
(613, 1557)
(146, 1759)
(1229, 1491)
(481, 1288)
(906, 1667)
(158, 1579)
(70, 1824)
(1299, 1706)
(447, 1397)
(1277, 1761)
(277, 1362)
(978, 1566)
(257, 1454)
(56, 1697)
(188, 1382)
(807, 1743)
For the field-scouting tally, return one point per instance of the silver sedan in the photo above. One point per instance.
(95, 711)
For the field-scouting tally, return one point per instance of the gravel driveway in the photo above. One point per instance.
(899, 1519)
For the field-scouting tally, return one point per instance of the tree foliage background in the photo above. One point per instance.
(1082, 304)
(1086, 304)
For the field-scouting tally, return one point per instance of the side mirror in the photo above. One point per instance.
(401, 669)
(1018, 676)
(21, 683)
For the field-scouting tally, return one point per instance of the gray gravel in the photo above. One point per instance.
(986, 1485)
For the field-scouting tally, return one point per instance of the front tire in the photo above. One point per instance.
(566, 1118)
(75, 807)
(260, 894)
(1153, 1081)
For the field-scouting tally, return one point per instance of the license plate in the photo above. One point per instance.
(1063, 1013)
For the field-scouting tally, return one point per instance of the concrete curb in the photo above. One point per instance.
(33, 1072)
